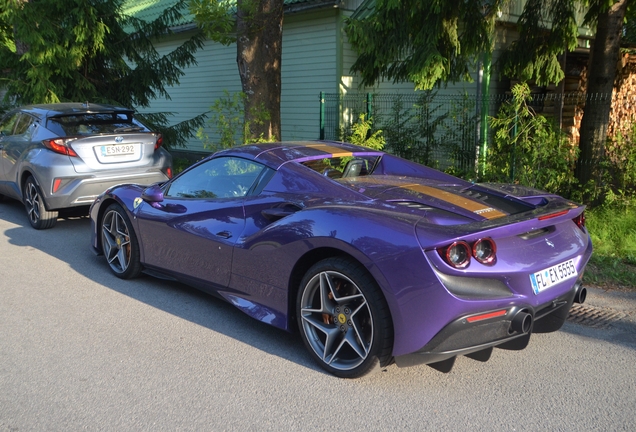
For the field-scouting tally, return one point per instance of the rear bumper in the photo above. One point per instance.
(473, 334)
(82, 191)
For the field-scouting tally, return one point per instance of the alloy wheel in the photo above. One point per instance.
(116, 241)
(32, 202)
(337, 320)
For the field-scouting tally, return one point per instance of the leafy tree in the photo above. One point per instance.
(228, 118)
(256, 26)
(362, 133)
(528, 148)
(88, 50)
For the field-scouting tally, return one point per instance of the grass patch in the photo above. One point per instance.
(613, 232)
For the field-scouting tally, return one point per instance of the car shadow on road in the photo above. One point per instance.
(69, 241)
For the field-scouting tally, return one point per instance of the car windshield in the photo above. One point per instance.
(95, 123)
(343, 167)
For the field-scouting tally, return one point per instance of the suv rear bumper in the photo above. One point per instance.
(82, 191)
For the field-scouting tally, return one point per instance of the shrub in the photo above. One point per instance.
(529, 149)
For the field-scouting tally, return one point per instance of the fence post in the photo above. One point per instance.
(322, 115)
(515, 131)
(369, 106)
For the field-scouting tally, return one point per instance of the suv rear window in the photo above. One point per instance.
(94, 124)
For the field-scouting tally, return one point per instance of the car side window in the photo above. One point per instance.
(8, 124)
(23, 126)
(223, 177)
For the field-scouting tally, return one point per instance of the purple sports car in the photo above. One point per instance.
(373, 258)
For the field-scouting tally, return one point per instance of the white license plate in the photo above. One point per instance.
(118, 149)
(551, 276)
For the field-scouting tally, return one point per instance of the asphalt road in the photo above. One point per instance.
(83, 350)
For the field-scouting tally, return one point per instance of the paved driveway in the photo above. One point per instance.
(81, 349)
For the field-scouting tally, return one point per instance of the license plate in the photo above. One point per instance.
(551, 276)
(118, 149)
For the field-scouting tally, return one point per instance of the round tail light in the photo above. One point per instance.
(458, 254)
(485, 250)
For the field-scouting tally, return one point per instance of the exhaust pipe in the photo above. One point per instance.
(522, 322)
(580, 294)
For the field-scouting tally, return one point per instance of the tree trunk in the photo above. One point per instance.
(259, 48)
(600, 84)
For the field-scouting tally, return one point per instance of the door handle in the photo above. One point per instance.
(224, 234)
(280, 211)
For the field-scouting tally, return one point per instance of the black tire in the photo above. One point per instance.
(39, 217)
(119, 243)
(343, 318)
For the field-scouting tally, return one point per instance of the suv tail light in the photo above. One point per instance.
(61, 146)
(159, 141)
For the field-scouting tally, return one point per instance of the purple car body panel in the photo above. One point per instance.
(392, 221)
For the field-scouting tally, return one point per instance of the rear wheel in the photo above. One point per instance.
(39, 217)
(119, 243)
(343, 318)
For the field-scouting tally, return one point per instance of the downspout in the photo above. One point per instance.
(322, 116)
(476, 162)
(485, 105)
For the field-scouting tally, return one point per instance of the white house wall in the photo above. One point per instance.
(201, 85)
(308, 67)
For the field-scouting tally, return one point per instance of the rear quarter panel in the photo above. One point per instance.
(265, 260)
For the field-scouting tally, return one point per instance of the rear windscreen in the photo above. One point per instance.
(94, 124)
(343, 167)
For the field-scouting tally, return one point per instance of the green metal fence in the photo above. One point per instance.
(438, 131)
(441, 131)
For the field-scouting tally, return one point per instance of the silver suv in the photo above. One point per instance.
(62, 156)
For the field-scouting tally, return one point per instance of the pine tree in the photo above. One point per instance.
(89, 50)
(429, 42)
(422, 41)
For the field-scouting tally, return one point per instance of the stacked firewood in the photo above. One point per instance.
(569, 97)
(623, 112)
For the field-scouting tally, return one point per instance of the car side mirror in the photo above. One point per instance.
(152, 194)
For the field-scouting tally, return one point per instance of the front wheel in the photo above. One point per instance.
(343, 318)
(119, 243)
(39, 217)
